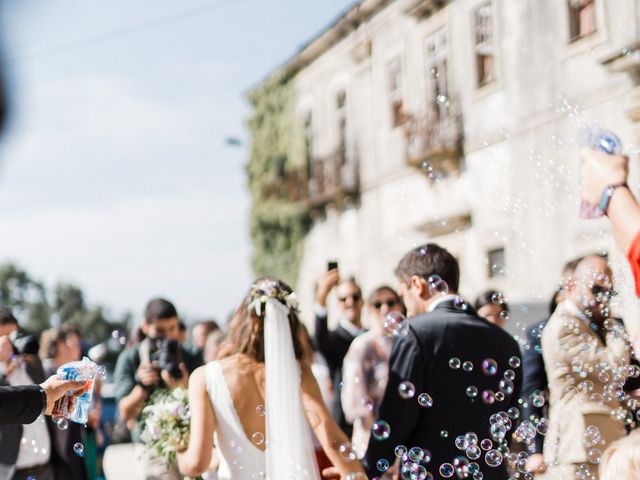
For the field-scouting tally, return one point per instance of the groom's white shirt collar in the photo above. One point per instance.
(443, 299)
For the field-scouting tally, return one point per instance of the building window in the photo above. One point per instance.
(394, 70)
(485, 54)
(582, 18)
(341, 118)
(436, 64)
(496, 263)
(308, 140)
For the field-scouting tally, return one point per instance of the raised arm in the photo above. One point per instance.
(196, 458)
(323, 425)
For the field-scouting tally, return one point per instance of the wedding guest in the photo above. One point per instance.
(447, 353)
(59, 346)
(201, 331)
(577, 347)
(491, 306)
(334, 344)
(138, 375)
(213, 345)
(535, 382)
(264, 367)
(25, 450)
(366, 367)
(604, 183)
(182, 332)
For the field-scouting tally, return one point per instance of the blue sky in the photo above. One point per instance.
(114, 173)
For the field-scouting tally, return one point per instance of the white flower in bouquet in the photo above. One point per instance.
(165, 423)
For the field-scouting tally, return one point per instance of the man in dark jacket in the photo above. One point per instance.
(334, 344)
(466, 367)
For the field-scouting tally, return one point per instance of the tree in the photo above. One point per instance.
(25, 296)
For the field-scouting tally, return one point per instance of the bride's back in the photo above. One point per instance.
(244, 379)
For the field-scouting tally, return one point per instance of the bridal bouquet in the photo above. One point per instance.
(165, 423)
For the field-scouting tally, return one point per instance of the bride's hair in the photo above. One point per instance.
(246, 329)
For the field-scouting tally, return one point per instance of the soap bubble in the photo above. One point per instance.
(382, 465)
(347, 451)
(446, 470)
(489, 366)
(437, 286)
(79, 449)
(514, 362)
(381, 430)
(454, 363)
(472, 392)
(416, 454)
(257, 438)
(62, 424)
(493, 458)
(260, 410)
(406, 390)
(497, 298)
(425, 400)
(400, 450)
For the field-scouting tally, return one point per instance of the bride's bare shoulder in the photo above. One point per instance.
(239, 364)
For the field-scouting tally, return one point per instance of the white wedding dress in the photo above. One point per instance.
(240, 459)
(289, 453)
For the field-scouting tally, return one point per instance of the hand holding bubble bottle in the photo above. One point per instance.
(83, 370)
(603, 140)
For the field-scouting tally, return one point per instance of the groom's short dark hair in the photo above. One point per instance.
(427, 260)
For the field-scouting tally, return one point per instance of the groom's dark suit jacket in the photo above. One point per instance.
(422, 357)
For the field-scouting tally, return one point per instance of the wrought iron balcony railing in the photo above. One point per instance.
(334, 179)
(435, 135)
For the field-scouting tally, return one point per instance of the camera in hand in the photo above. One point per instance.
(168, 355)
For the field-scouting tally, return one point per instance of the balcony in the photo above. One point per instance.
(289, 186)
(435, 135)
(334, 179)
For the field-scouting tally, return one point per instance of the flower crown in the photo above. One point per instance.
(261, 293)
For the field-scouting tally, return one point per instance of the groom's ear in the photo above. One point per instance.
(419, 284)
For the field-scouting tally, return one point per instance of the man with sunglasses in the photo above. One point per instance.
(334, 344)
(587, 359)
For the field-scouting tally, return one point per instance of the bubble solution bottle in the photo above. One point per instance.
(603, 140)
(83, 370)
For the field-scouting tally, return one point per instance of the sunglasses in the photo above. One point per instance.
(355, 297)
(603, 290)
(389, 303)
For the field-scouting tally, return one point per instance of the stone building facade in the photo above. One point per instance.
(455, 122)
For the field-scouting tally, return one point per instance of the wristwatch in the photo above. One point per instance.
(607, 193)
(43, 397)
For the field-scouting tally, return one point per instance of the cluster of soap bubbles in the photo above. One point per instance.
(395, 325)
(411, 462)
(594, 443)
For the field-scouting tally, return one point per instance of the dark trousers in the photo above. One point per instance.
(44, 472)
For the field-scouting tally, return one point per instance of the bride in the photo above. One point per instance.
(259, 400)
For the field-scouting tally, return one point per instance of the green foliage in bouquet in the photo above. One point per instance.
(165, 423)
(278, 179)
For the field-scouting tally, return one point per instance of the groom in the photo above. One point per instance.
(443, 332)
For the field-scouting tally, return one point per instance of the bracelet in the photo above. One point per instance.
(605, 198)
